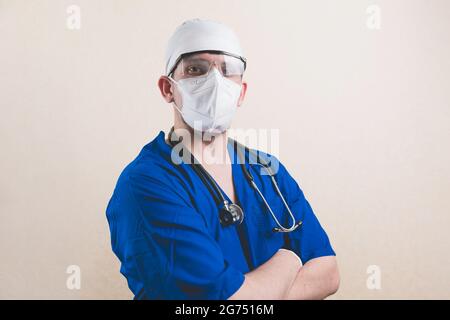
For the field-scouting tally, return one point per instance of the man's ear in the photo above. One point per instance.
(243, 92)
(165, 87)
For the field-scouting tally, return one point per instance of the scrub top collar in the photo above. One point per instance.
(235, 163)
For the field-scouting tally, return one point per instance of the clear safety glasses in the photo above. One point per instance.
(199, 64)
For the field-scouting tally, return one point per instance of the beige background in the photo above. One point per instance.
(364, 120)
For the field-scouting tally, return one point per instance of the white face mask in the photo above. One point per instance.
(209, 102)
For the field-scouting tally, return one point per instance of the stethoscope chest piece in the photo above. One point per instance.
(230, 214)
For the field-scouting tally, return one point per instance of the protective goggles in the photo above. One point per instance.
(197, 64)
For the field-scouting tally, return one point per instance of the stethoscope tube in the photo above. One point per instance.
(231, 213)
(250, 179)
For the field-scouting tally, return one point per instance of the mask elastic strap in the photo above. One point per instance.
(175, 105)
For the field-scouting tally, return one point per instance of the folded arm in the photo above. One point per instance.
(271, 280)
(282, 277)
(317, 279)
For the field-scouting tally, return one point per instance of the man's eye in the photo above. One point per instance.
(193, 70)
(224, 70)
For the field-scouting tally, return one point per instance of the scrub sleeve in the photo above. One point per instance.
(179, 258)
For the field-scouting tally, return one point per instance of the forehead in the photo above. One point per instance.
(205, 56)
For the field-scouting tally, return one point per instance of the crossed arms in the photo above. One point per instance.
(283, 277)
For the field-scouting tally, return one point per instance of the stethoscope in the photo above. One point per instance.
(231, 213)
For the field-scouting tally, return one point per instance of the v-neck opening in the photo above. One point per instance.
(233, 174)
(232, 156)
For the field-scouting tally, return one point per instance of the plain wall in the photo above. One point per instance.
(363, 114)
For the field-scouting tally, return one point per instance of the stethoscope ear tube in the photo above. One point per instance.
(298, 224)
(280, 228)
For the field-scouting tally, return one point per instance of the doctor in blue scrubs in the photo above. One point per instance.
(187, 228)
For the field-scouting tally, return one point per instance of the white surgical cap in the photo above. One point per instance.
(201, 35)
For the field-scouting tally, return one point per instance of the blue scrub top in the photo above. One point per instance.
(166, 231)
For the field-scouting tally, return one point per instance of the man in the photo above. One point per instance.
(177, 218)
